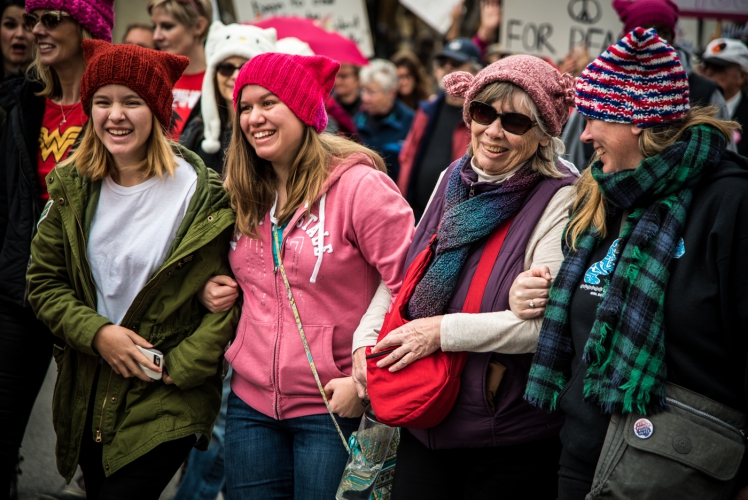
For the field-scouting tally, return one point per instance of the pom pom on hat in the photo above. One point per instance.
(638, 13)
(638, 80)
(224, 41)
(303, 83)
(97, 16)
(150, 73)
(550, 91)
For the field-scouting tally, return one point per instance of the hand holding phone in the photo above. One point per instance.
(156, 357)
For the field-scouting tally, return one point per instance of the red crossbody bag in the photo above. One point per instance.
(422, 394)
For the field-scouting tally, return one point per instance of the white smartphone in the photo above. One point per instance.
(156, 357)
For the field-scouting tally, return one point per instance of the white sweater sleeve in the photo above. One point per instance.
(368, 329)
(502, 331)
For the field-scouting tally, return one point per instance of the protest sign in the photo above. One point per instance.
(722, 9)
(347, 17)
(435, 13)
(552, 29)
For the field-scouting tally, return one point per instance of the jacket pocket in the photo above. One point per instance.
(295, 377)
(252, 352)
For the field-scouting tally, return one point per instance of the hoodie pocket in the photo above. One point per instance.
(295, 377)
(251, 352)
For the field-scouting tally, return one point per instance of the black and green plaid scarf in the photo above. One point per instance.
(626, 347)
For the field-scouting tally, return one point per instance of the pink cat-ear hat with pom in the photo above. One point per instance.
(552, 92)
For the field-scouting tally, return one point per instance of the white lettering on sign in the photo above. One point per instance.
(552, 29)
(347, 17)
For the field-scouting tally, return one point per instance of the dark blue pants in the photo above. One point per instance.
(298, 458)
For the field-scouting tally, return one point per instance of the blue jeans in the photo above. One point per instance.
(298, 458)
(204, 476)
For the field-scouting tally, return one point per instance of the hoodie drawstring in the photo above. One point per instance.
(320, 250)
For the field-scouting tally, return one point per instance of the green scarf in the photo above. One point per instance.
(626, 347)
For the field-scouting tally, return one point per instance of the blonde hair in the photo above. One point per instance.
(589, 208)
(544, 160)
(251, 181)
(46, 75)
(93, 160)
(185, 12)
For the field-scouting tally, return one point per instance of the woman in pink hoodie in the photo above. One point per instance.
(316, 213)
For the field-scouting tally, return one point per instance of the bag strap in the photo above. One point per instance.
(485, 266)
(303, 337)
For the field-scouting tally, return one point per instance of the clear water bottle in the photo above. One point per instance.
(370, 446)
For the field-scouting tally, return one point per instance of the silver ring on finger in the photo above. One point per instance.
(532, 304)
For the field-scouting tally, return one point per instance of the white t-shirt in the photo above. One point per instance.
(131, 232)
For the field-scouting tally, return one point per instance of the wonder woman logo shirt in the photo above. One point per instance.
(61, 126)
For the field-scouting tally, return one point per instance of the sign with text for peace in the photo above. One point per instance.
(435, 13)
(553, 28)
(724, 9)
(347, 17)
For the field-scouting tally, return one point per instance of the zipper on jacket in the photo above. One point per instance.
(103, 406)
(472, 190)
(705, 415)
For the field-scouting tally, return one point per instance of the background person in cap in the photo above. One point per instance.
(725, 62)
(652, 285)
(324, 207)
(438, 135)
(384, 120)
(44, 119)
(157, 224)
(492, 444)
(181, 28)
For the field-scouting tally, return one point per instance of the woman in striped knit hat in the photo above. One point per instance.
(648, 313)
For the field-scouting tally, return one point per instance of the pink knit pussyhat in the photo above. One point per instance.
(552, 92)
(303, 83)
(97, 16)
(639, 13)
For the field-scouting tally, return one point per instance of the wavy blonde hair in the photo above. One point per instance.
(92, 159)
(46, 75)
(185, 13)
(251, 181)
(590, 208)
(544, 160)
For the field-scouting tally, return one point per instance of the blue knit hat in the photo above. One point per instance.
(638, 80)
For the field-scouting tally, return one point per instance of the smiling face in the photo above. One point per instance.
(172, 36)
(497, 151)
(270, 127)
(616, 144)
(123, 122)
(60, 46)
(15, 41)
(225, 84)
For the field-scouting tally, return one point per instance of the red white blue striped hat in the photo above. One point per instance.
(638, 80)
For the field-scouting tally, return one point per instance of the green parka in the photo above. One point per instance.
(130, 416)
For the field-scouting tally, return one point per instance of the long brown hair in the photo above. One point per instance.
(589, 208)
(251, 181)
(422, 88)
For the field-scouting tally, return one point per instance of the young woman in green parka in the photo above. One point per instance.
(134, 227)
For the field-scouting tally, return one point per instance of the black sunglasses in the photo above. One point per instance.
(227, 69)
(49, 20)
(442, 61)
(514, 123)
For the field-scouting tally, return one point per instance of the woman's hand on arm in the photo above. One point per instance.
(117, 345)
(219, 294)
(359, 371)
(529, 293)
(412, 341)
(344, 402)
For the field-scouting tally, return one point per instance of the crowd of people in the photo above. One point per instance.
(206, 227)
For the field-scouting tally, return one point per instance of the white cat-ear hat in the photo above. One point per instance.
(224, 41)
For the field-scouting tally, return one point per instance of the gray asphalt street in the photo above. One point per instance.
(40, 475)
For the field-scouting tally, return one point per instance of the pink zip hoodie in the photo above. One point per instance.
(358, 233)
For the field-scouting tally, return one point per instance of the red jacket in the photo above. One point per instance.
(412, 152)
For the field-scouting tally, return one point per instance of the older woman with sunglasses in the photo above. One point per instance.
(44, 120)
(512, 181)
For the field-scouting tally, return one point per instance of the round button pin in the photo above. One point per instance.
(643, 428)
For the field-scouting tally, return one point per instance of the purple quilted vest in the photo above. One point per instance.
(471, 424)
